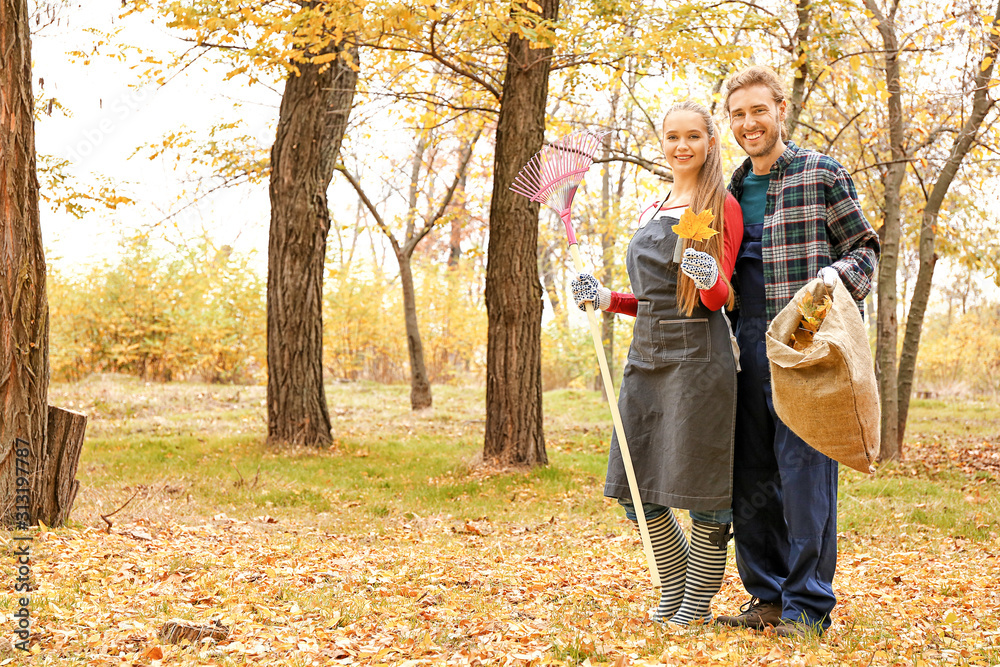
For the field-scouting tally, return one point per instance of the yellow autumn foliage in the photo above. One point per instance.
(364, 334)
(197, 315)
(201, 315)
(961, 355)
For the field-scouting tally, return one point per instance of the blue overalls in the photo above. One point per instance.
(785, 552)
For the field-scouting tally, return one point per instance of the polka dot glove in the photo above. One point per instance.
(587, 288)
(700, 267)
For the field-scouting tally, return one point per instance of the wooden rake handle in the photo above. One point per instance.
(609, 390)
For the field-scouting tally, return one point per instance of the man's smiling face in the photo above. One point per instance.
(755, 119)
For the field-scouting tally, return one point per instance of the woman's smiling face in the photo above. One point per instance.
(686, 142)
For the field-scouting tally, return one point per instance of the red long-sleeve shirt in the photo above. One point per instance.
(714, 297)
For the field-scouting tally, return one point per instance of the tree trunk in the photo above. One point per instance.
(551, 283)
(24, 311)
(892, 182)
(420, 386)
(313, 118)
(887, 329)
(914, 324)
(607, 254)
(804, 11)
(513, 291)
(461, 214)
(981, 104)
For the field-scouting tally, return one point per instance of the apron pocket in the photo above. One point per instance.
(642, 334)
(684, 340)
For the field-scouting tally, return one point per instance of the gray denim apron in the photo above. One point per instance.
(678, 394)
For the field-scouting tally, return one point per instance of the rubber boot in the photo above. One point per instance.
(670, 551)
(705, 569)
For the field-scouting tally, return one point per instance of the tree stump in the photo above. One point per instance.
(58, 485)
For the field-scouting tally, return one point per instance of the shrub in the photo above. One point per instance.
(962, 355)
(200, 315)
(364, 331)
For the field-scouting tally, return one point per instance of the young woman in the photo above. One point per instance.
(678, 394)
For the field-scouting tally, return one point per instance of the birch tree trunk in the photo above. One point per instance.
(892, 182)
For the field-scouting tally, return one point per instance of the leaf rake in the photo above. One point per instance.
(552, 177)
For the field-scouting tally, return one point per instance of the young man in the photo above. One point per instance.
(801, 219)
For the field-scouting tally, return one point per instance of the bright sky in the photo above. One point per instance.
(109, 119)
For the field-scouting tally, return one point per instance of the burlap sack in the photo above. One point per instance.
(827, 394)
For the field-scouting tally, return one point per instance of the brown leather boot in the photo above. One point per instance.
(755, 614)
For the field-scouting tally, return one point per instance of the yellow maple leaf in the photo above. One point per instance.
(695, 226)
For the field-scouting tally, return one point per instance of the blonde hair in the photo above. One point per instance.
(710, 194)
(758, 75)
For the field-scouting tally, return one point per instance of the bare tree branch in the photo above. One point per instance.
(446, 201)
(370, 206)
(455, 68)
(657, 170)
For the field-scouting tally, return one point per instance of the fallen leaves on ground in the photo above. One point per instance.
(420, 591)
(973, 455)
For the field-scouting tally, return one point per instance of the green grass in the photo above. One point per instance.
(928, 489)
(886, 504)
(197, 450)
(186, 451)
(953, 419)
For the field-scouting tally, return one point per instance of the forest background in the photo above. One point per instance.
(156, 221)
(389, 544)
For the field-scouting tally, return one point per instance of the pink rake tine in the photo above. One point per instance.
(552, 177)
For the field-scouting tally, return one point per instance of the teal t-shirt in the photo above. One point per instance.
(753, 201)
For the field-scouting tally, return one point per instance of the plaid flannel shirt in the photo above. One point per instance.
(812, 219)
